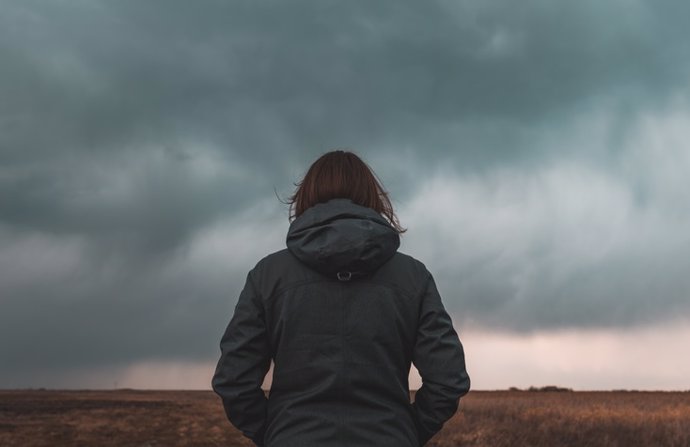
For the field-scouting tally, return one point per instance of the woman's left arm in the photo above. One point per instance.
(244, 361)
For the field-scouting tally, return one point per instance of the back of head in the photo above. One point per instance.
(342, 174)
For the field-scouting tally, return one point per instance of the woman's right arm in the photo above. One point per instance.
(440, 359)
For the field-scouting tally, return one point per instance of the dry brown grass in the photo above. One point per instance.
(114, 418)
(569, 419)
(195, 418)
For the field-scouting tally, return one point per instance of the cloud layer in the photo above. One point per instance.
(538, 157)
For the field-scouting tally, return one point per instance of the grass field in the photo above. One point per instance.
(32, 418)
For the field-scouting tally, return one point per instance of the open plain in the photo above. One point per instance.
(138, 418)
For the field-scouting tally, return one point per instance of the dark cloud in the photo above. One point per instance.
(127, 129)
(254, 78)
(71, 303)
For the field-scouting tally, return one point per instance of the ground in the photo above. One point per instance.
(33, 418)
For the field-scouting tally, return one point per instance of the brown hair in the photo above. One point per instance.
(342, 174)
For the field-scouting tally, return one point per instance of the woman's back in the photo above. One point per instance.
(343, 314)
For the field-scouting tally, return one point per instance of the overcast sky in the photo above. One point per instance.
(538, 155)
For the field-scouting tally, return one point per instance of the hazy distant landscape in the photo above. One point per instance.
(33, 418)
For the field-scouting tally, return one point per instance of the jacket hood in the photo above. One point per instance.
(343, 239)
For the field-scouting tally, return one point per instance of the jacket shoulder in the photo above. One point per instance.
(279, 256)
(413, 265)
(407, 272)
(279, 270)
(273, 264)
(283, 261)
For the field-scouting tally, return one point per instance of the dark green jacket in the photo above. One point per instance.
(342, 314)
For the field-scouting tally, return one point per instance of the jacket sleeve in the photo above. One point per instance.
(440, 360)
(244, 361)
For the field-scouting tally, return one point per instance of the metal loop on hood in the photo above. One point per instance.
(344, 276)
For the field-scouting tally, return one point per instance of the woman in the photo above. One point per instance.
(342, 314)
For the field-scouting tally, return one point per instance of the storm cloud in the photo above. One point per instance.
(538, 156)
